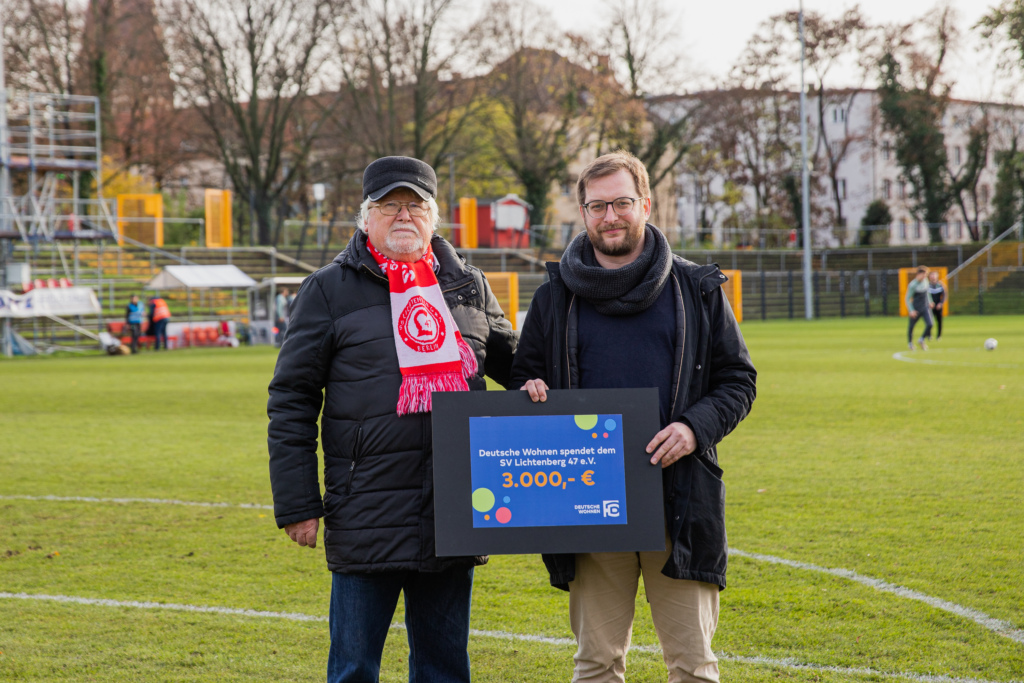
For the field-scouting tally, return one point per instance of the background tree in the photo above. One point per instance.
(248, 68)
(645, 61)
(41, 41)
(964, 179)
(537, 124)
(399, 65)
(912, 102)
(1008, 199)
(876, 215)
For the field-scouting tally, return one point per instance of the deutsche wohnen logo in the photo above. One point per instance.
(421, 326)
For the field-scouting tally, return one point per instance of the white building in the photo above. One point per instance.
(865, 168)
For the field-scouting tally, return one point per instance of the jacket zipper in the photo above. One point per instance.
(355, 459)
(568, 367)
(682, 351)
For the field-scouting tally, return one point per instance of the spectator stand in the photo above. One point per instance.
(190, 278)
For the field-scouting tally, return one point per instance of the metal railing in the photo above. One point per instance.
(987, 249)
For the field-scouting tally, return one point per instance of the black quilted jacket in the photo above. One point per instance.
(338, 364)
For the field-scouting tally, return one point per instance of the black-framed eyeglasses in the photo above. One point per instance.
(393, 208)
(621, 206)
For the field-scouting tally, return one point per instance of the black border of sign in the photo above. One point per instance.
(453, 507)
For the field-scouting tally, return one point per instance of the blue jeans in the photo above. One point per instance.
(436, 619)
(160, 333)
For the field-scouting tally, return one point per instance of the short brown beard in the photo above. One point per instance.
(634, 233)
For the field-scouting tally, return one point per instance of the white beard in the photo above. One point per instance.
(404, 244)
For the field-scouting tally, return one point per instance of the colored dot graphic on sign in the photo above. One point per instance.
(606, 435)
(503, 515)
(586, 422)
(594, 435)
(610, 425)
(506, 499)
(487, 516)
(483, 500)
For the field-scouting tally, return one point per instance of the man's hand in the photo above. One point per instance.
(537, 389)
(303, 533)
(913, 314)
(672, 443)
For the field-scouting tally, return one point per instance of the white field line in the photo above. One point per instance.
(156, 501)
(907, 358)
(998, 626)
(787, 663)
(1003, 628)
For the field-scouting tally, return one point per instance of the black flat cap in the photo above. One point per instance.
(388, 173)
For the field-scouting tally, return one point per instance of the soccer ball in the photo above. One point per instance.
(991, 344)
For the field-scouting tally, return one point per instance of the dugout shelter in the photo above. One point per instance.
(262, 329)
(192, 278)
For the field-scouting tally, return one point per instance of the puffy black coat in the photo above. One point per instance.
(339, 355)
(713, 388)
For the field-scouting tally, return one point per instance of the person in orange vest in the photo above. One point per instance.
(159, 314)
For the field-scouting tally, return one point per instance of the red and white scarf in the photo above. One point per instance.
(431, 352)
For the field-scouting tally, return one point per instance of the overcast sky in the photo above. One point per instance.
(714, 33)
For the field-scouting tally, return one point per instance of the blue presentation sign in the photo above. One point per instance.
(548, 470)
(568, 475)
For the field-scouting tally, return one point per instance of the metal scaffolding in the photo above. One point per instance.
(49, 144)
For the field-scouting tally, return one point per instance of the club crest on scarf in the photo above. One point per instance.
(421, 326)
(430, 357)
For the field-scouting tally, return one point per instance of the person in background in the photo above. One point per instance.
(133, 316)
(938, 294)
(919, 307)
(159, 316)
(281, 303)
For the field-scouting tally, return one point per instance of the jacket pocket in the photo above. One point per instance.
(356, 451)
(706, 517)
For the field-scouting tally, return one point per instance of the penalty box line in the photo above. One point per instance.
(787, 663)
(997, 626)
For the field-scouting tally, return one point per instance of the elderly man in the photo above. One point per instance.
(394, 317)
(621, 310)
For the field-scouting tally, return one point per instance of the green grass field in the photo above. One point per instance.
(911, 473)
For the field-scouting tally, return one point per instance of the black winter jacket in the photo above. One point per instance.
(713, 387)
(339, 355)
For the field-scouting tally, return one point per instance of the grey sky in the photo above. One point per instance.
(714, 33)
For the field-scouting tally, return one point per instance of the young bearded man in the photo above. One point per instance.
(620, 310)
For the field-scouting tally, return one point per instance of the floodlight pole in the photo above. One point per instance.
(5, 182)
(805, 205)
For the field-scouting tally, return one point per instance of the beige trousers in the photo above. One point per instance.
(601, 604)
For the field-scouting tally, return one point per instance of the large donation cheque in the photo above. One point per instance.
(564, 476)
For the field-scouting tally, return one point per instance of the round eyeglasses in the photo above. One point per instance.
(621, 206)
(394, 208)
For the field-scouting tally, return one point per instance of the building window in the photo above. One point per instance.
(842, 188)
(959, 230)
(887, 189)
(984, 194)
(956, 155)
(838, 115)
(917, 230)
(902, 190)
(903, 229)
(886, 150)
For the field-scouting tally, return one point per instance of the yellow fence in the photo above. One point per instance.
(734, 292)
(218, 218)
(147, 210)
(506, 290)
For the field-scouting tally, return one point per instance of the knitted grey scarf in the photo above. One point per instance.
(623, 291)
